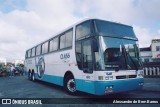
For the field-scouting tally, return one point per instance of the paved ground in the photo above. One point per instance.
(21, 87)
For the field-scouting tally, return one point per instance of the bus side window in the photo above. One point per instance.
(45, 48)
(69, 38)
(62, 41)
(83, 30)
(66, 39)
(29, 53)
(33, 52)
(26, 56)
(53, 44)
(38, 50)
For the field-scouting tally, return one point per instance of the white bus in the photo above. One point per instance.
(94, 56)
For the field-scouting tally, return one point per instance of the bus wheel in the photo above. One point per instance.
(32, 76)
(29, 75)
(70, 85)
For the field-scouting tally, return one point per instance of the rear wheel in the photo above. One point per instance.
(33, 76)
(70, 85)
(29, 75)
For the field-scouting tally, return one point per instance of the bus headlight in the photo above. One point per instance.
(111, 77)
(107, 77)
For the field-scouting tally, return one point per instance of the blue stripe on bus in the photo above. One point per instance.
(85, 86)
(98, 87)
(119, 85)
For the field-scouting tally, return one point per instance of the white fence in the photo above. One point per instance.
(152, 71)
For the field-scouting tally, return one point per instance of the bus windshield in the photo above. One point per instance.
(111, 29)
(120, 53)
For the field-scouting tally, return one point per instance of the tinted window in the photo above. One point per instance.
(87, 57)
(53, 44)
(62, 41)
(29, 53)
(33, 52)
(83, 29)
(38, 50)
(69, 38)
(79, 54)
(45, 48)
(26, 54)
(66, 39)
(114, 29)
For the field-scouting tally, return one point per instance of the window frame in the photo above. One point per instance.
(53, 41)
(46, 46)
(90, 31)
(40, 49)
(32, 55)
(29, 52)
(64, 34)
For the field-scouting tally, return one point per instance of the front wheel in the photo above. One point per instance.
(70, 85)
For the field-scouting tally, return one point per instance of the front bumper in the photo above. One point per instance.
(116, 86)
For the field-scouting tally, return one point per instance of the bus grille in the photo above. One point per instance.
(126, 76)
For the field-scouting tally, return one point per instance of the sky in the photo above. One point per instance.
(25, 23)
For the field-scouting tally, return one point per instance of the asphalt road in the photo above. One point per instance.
(21, 87)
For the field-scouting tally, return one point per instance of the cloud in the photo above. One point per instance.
(21, 30)
(42, 19)
(158, 31)
(10, 33)
(56, 13)
(143, 16)
(145, 36)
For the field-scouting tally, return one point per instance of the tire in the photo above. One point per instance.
(29, 75)
(32, 76)
(70, 85)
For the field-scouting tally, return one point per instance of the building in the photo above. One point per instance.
(151, 58)
(146, 54)
(152, 53)
(155, 50)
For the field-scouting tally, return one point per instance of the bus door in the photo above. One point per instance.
(87, 61)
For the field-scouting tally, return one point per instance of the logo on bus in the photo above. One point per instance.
(40, 67)
(65, 56)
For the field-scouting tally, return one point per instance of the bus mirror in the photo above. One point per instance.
(117, 69)
(95, 45)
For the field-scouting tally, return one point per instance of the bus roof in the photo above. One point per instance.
(72, 26)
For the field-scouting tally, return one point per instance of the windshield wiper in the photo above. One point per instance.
(126, 54)
(133, 61)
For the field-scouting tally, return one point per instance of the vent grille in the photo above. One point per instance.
(126, 76)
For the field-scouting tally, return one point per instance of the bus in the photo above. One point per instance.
(93, 56)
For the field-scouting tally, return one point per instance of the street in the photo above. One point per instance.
(21, 87)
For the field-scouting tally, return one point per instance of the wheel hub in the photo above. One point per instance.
(71, 85)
